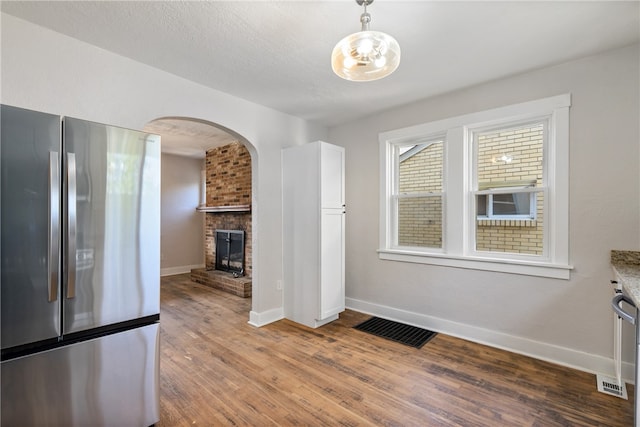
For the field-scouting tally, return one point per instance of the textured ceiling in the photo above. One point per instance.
(190, 138)
(277, 53)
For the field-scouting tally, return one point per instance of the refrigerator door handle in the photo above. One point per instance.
(54, 224)
(71, 225)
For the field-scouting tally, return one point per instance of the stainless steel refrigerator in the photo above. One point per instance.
(80, 272)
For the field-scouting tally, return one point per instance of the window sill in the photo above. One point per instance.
(487, 222)
(527, 268)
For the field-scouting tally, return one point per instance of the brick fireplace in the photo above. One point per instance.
(228, 207)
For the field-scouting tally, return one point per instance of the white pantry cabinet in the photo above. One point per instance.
(313, 232)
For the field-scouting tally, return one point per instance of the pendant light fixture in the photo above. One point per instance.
(365, 55)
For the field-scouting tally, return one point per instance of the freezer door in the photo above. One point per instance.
(111, 255)
(109, 381)
(30, 226)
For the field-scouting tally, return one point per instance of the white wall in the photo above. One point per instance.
(181, 226)
(47, 71)
(569, 322)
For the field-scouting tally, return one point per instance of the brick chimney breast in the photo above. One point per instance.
(228, 182)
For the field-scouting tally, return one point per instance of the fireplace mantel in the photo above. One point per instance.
(221, 209)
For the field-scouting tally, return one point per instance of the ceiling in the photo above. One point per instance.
(188, 138)
(277, 53)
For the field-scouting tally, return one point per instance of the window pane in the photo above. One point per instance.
(515, 236)
(510, 157)
(420, 222)
(506, 206)
(511, 204)
(420, 168)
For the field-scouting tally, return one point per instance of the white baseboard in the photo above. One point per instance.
(266, 317)
(549, 352)
(170, 271)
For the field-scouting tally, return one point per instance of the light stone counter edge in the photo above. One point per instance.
(626, 267)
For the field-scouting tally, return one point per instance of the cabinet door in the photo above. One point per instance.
(332, 263)
(332, 176)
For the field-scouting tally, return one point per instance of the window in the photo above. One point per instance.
(508, 182)
(487, 190)
(518, 206)
(417, 194)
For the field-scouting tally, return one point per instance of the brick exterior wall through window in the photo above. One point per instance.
(523, 148)
(420, 218)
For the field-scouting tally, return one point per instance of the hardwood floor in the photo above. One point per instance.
(218, 370)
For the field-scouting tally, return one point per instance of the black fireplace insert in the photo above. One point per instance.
(230, 251)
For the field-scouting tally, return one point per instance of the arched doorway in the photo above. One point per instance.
(189, 144)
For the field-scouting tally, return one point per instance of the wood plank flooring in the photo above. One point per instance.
(217, 370)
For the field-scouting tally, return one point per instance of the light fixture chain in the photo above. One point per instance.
(365, 18)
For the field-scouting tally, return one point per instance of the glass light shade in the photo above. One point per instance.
(365, 56)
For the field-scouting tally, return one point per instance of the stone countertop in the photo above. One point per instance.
(626, 266)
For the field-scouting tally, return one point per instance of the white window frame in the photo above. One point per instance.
(459, 222)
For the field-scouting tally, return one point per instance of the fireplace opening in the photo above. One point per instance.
(230, 251)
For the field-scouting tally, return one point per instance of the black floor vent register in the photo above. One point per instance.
(404, 334)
